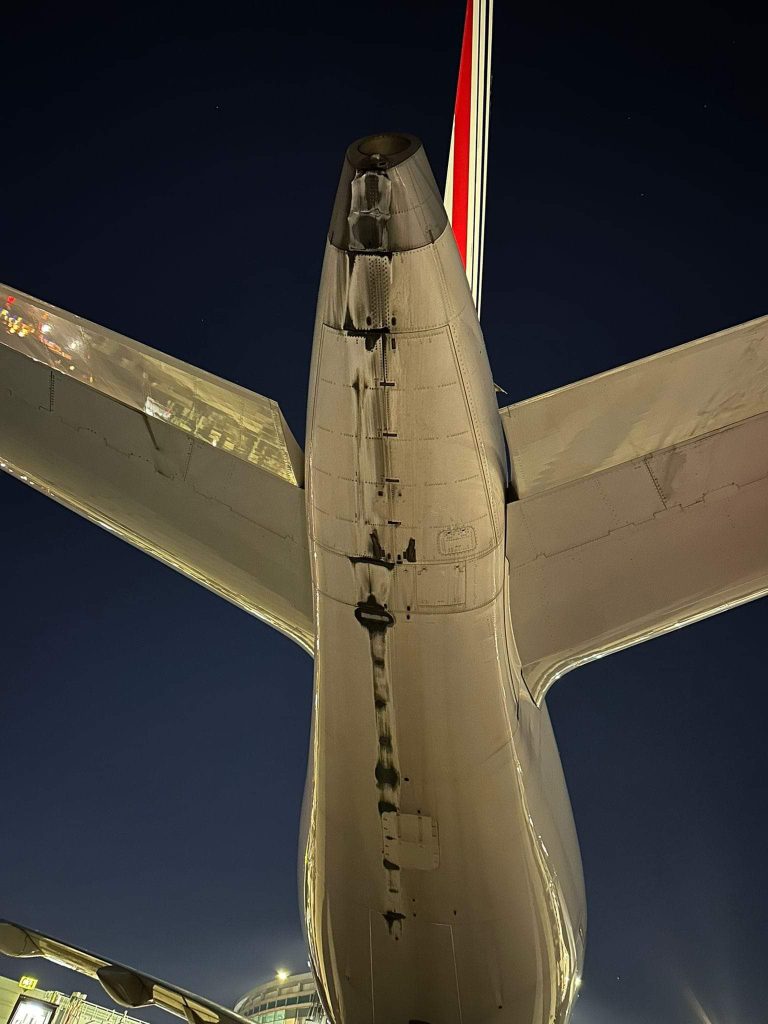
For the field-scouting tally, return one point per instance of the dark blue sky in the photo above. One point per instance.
(170, 173)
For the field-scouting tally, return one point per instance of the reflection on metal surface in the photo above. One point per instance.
(213, 410)
(640, 408)
(215, 583)
(369, 210)
(625, 555)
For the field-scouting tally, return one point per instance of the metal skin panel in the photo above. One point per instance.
(638, 550)
(408, 208)
(213, 410)
(419, 709)
(639, 408)
(234, 528)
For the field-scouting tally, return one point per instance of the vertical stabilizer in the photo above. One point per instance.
(465, 186)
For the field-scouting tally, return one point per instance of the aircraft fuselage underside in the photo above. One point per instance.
(442, 879)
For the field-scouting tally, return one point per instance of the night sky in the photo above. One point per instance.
(170, 173)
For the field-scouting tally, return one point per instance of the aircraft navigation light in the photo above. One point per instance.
(282, 974)
(45, 328)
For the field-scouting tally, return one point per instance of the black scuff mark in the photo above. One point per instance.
(151, 432)
(378, 550)
(373, 616)
(386, 774)
(393, 919)
(368, 560)
(378, 556)
(371, 336)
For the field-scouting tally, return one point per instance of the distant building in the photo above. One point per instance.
(283, 1000)
(22, 1002)
(291, 999)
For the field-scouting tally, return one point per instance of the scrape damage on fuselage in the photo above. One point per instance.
(441, 873)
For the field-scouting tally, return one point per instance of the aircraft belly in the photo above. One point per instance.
(427, 895)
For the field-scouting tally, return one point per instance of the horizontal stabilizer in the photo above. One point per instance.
(668, 521)
(124, 985)
(637, 409)
(195, 471)
(214, 411)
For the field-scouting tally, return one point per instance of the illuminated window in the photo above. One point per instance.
(29, 1010)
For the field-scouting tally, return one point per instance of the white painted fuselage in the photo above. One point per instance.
(441, 877)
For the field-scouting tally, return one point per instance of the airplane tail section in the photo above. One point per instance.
(126, 986)
(465, 186)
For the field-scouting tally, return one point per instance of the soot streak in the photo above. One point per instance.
(376, 618)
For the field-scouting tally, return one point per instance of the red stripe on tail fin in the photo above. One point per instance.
(465, 187)
(461, 140)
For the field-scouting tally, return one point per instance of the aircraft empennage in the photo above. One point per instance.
(637, 503)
